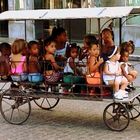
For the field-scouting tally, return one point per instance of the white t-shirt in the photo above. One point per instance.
(113, 67)
(67, 68)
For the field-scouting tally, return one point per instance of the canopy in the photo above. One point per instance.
(74, 13)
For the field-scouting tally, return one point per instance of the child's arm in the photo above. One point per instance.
(93, 65)
(73, 67)
(54, 64)
(124, 72)
(106, 70)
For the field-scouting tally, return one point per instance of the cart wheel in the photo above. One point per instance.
(116, 117)
(47, 103)
(134, 108)
(15, 106)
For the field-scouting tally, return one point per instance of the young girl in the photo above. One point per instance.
(128, 46)
(71, 73)
(18, 61)
(93, 64)
(34, 68)
(112, 74)
(5, 50)
(127, 69)
(52, 69)
(87, 41)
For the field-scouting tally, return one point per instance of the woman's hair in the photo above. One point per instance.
(31, 43)
(126, 44)
(106, 31)
(89, 38)
(57, 31)
(69, 49)
(18, 46)
(4, 45)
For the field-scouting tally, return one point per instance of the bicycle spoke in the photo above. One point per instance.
(7, 110)
(42, 101)
(6, 102)
(136, 110)
(48, 102)
(19, 113)
(22, 111)
(109, 113)
(11, 114)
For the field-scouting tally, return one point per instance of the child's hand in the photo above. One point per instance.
(118, 73)
(101, 60)
(61, 68)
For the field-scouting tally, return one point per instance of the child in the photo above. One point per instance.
(84, 51)
(93, 64)
(112, 74)
(52, 69)
(34, 68)
(18, 61)
(71, 73)
(5, 50)
(127, 70)
(83, 55)
(128, 46)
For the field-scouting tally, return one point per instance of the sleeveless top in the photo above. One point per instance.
(113, 67)
(126, 66)
(62, 51)
(47, 65)
(67, 68)
(18, 69)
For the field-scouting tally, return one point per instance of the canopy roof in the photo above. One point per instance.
(75, 13)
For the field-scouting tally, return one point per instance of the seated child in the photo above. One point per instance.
(51, 68)
(71, 73)
(93, 63)
(84, 53)
(34, 68)
(127, 69)
(84, 50)
(18, 61)
(127, 46)
(112, 74)
(5, 50)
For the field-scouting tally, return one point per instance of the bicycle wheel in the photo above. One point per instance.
(47, 103)
(134, 108)
(15, 106)
(116, 117)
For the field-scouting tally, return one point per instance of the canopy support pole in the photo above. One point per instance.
(99, 26)
(120, 31)
(25, 26)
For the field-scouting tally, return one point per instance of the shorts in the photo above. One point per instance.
(53, 77)
(35, 77)
(20, 77)
(117, 78)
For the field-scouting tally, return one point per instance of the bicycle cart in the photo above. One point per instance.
(15, 102)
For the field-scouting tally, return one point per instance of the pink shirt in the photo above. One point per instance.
(19, 68)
